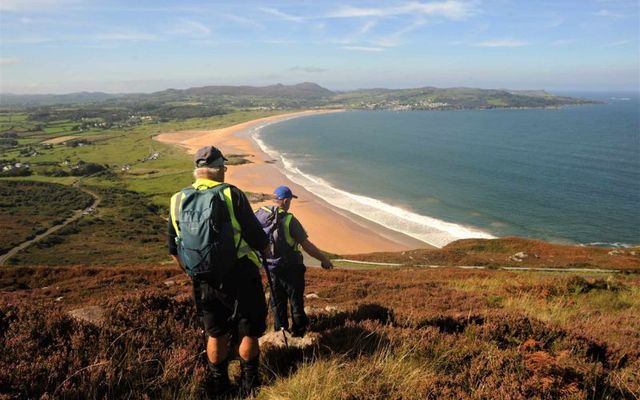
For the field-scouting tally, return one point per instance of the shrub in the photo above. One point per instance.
(84, 169)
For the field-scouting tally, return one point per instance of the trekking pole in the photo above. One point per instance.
(273, 299)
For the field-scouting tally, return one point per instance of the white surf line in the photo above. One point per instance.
(535, 269)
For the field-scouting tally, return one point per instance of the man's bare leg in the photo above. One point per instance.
(217, 349)
(217, 354)
(249, 353)
(249, 348)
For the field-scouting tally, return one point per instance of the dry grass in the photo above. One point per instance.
(499, 252)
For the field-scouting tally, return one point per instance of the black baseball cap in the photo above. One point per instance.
(209, 156)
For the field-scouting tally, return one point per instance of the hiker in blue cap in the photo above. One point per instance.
(286, 266)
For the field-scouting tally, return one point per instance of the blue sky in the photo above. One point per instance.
(59, 46)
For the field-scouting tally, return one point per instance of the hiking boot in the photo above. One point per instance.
(299, 332)
(249, 376)
(218, 379)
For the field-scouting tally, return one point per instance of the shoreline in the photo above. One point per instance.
(332, 229)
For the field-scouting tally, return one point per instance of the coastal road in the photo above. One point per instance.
(77, 214)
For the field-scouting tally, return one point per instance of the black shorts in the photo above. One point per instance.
(242, 293)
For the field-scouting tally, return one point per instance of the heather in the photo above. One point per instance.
(408, 333)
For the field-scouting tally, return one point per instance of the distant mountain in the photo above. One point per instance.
(52, 99)
(303, 95)
(431, 98)
(302, 90)
(535, 93)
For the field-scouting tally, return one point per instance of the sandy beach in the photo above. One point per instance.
(332, 229)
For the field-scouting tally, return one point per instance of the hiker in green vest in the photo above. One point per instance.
(285, 263)
(213, 235)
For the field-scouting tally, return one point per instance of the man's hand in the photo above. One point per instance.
(327, 264)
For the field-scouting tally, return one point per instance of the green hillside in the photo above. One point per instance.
(213, 100)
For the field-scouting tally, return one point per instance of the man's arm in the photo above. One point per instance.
(300, 236)
(171, 243)
(252, 231)
(315, 252)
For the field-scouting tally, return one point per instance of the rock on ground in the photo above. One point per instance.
(519, 256)
(92, 314)
(275, 339)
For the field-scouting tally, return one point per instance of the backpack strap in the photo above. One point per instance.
(243, 248)
(176, 206)
(284, 218)
(287, 230)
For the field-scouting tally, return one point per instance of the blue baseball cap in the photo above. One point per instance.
(283, 192)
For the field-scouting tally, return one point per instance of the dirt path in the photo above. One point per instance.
(77, 214)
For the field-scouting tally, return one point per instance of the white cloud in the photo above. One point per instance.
(27, 40)
(618, 43)
(364, 29)
(396, 38)
(608, 14)
(279, 41)
(451, 9)
(243, 21)
(349, 12)
(309, 70)
(10, 61)
(363, 48)
(563, 42)
(124, 37)
(554, 22)
(502, 43)
(33, 5)
(281, 15)
(190, 28)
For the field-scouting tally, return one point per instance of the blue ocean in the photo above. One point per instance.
(567, 175)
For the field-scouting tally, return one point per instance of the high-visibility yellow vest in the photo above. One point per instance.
(203, 184)
(286, 226)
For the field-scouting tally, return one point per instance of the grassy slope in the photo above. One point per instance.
(29, 208)
(402, 333)
(126, 228)
(499, 253)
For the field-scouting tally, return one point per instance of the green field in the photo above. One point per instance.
(129, 225)
(118, 148)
